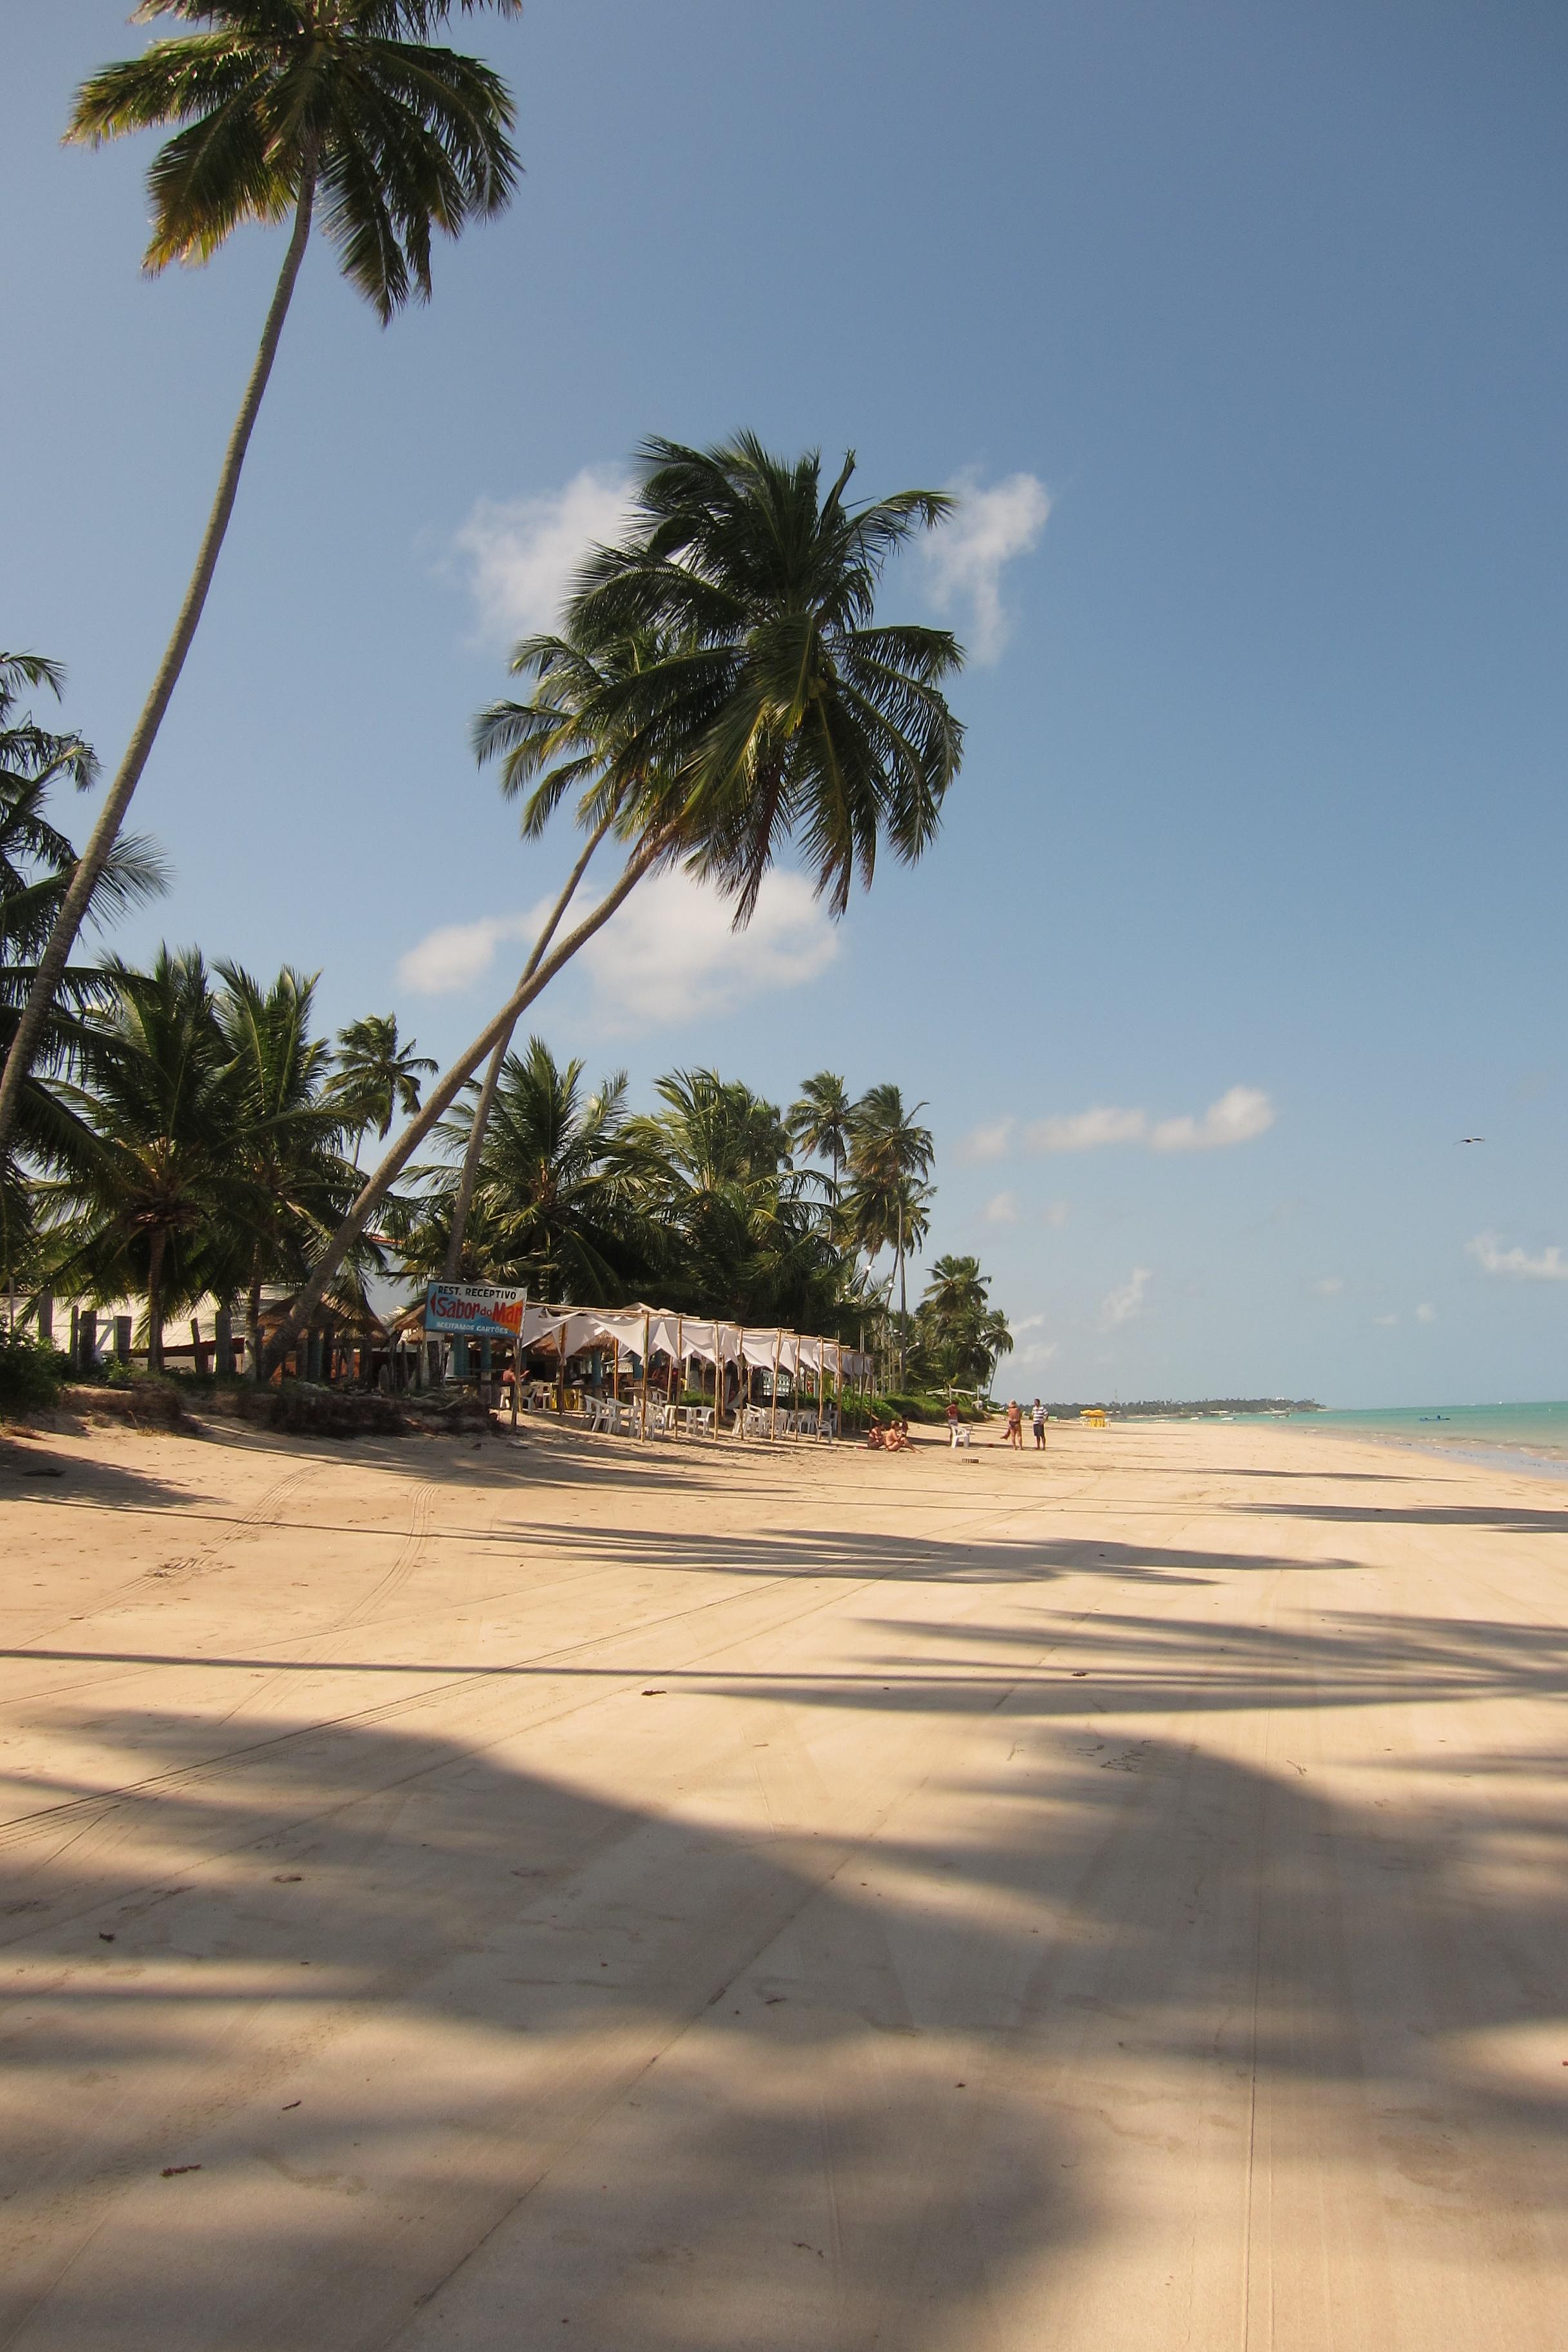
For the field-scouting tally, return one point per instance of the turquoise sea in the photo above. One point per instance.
(1524, 1436)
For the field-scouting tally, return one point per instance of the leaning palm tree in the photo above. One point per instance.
(820, 1121)
(552, 743)
(283, 104)
(776, 710)
(376, 1076)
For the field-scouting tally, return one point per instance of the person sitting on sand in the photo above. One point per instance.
(1015, 1424)
(898, 1435)
(876, 1437)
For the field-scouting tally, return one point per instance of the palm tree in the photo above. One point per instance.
(287, 1125)
(956, 1292)
(956, 1320)
(142, 1212)
(552, 1207)
(36, 863)
(280, 102)
(376, 1076)
(891, 1158)
(819, 1122)
(30, 755)
(555, 742)
(743, 1233)
(993, 1340)
(773, 708)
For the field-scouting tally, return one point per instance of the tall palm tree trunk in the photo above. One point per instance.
(903, 1303)
(446, 1090)
(90, 863)
(155, 1242)
(476, 1144)
(252, 1321)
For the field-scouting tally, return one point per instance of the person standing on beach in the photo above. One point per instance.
(952, 1422)
(1038, 1420)
(1015, 1424)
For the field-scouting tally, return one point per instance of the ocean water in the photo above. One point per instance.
(1524, 1436)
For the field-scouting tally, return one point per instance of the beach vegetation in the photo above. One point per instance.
(342, 114)
(37, 864)
(32, 1372)
(720, 688)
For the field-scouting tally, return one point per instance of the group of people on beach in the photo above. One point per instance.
(891, 1438)
(1015, 1429)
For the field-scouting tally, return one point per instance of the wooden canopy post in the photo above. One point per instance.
(646, 1323)
(773, 1417)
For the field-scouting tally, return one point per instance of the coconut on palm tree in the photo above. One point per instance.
(772, 709)
(287, 111)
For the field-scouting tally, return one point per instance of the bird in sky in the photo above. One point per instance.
(1472, 1138)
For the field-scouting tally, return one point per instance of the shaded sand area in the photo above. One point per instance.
(658, 1901)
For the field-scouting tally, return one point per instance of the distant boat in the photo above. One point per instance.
(1435, 1417)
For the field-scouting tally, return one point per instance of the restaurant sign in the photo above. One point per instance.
(479, 1310)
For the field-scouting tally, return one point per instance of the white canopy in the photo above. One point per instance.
(660, 1331)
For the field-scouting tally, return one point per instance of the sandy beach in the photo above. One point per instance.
(467, 1897)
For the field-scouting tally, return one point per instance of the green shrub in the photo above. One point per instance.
(31, 1372)
(925, 1405)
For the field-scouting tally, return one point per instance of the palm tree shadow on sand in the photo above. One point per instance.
(442, 2032)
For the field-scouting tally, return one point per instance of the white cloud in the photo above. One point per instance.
(1386, 1322)
(1039, 1351)
(1025, 1323)
(1087, 1130)
(458, 954)
(987, 1142)
(1330, 1286)
(1002, 1209)
(1238, 1116)
(1550, 1266)
(1425, 1314)
(670, 952)
(522, 554)
(667, 955)
(1124, 1304)
(1055, 1214)
(966, 555)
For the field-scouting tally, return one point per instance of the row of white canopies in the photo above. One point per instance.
(646, 1332)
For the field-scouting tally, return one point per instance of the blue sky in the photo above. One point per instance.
(1262, 807)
